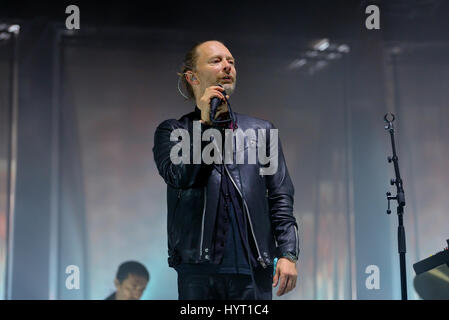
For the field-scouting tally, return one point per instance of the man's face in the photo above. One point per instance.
(214, 65)
(131, 288)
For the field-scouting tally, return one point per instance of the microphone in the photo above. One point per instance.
(215, 102)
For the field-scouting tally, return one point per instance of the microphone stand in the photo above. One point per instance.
(400, 198)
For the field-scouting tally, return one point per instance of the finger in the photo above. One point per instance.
(217, 94)
(294, 278)
(276, 278)
(217, 88)
(289, 286)
(283, 283)
(212, 90)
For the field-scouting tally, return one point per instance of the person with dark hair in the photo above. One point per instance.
(226, 222)
(130, 281)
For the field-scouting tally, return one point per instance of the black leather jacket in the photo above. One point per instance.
(193, 192)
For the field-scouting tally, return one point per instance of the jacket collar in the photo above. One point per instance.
(197, 112)
(197, 115)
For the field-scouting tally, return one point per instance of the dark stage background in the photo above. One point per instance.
(78, 110)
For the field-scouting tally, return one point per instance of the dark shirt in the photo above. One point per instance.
(230, 229)
(234, 257)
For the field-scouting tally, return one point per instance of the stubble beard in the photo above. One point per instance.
(229, 87)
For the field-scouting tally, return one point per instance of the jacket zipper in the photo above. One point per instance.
(297, 242)
(202, 224)
(249, 219)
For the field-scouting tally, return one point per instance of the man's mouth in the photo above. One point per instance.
(226, 79)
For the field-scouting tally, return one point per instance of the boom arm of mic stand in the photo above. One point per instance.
(400, 198)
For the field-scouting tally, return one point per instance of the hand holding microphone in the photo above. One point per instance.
(213, 103)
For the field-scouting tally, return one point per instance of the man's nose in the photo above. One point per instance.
(227, 66)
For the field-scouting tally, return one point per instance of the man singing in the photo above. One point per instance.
(226, 221)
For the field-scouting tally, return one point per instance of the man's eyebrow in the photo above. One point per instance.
(219, 56)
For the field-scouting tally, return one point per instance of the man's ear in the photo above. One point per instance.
(190, 77)
(116, 283)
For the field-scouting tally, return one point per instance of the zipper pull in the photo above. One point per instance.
(179, 194)
(262, 263)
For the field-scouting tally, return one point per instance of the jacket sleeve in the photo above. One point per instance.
(182, 175)
(280, 200)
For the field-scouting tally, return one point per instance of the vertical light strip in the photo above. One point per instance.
(349, 186)
(350, 191)
(53, 276)
(12, 163)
